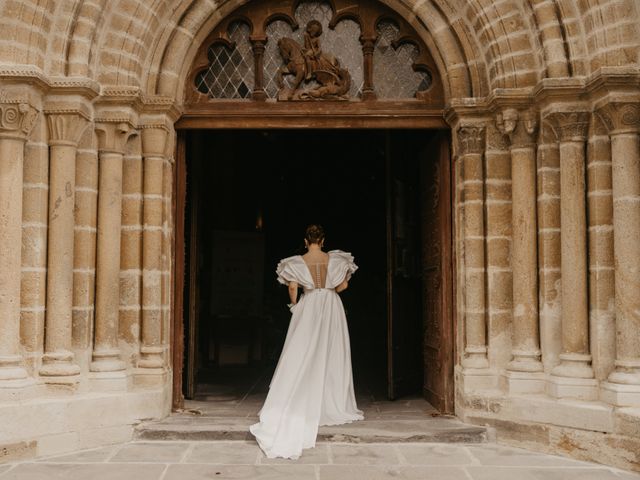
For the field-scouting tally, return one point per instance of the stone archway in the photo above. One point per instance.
(393, 83)
(536, 91)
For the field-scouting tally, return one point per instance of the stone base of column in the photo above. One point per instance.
(477, 379)
(113, 381)
(106, 360)
(620, 395)
(150, 377)
(525, 361)
(475, 358)
(12, 372)
(58, 368)
(570, 387)
(627, 372)
(151, 358)
(515, 383)
(574, 365)
(622, 388)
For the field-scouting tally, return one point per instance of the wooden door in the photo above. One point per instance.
(193, 310)
(435, 192)
(404, 319)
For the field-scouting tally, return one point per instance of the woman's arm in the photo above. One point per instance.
(342, 287)
(293, 292)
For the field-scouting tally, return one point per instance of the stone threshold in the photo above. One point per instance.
(429, 430)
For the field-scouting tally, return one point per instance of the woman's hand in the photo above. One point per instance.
(342, 287)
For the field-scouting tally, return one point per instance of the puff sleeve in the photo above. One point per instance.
(286, 271)
(345, 266)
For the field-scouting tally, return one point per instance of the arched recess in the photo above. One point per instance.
(361, 65)
(453, 46)
(262, 61)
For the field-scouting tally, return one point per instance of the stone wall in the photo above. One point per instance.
(543, 100)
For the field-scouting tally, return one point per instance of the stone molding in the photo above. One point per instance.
(471, 139)
(571, 126)
(520, 127)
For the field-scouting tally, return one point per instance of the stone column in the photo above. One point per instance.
(573, 377)
(471, 142)
(499, 306)
(112, 138)
(623, 121)
(549, 283)
(154, 139)
(65, 129)
(17, 118)
(602, 313)
(524, 370)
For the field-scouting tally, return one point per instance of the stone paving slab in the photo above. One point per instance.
(248, 472)
(328, 461)
(333, 472)
(427, 454)
(506, 473)
(151, 452)
(96, 471)
(87, 456)
(507, 456)
(236, 453)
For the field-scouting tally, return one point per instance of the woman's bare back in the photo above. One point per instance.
(317, 262)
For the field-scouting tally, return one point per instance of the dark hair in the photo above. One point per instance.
(314, 234)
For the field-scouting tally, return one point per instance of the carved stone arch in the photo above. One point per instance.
(458, 63)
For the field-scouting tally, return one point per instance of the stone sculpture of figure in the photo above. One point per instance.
(308, 63)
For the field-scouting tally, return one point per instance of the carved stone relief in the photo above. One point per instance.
(308, 62)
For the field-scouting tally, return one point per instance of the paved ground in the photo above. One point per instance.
(328, 461)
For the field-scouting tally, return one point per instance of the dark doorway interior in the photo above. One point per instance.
(250, 194)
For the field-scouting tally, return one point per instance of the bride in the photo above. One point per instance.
(312, 384)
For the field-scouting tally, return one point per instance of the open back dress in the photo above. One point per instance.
(313, 382)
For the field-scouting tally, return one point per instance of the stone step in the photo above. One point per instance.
(442, 429)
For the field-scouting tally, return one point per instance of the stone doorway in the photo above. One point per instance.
(379, 194)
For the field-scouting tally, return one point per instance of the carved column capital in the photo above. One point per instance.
(65, 128)
(113, 136)
(471, 139)
(154, 139)
(620, 116)
(368, 44)
(520, 127)
(569, 126)
(17, 117)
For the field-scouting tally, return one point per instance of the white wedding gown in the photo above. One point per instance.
(313, 383)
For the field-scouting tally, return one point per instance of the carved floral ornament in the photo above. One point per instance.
(620, 117)
(471, 139)
(291, 50)
(17, 116)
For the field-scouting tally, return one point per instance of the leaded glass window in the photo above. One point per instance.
(393, 73)
(230, 73)
(363, 51)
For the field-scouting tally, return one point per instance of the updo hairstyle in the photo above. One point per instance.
(314, 234)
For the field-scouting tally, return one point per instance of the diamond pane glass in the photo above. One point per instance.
(393, 74)
(230, 71)
(343, 43)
